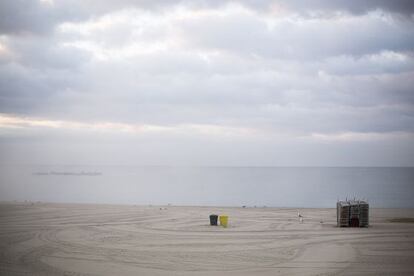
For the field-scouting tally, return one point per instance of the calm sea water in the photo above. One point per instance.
(225, 186)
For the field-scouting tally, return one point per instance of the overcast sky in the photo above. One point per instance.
(237, 83)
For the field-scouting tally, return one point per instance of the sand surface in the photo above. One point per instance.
(76, 239)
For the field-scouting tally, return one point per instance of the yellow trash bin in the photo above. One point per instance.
(224, 221)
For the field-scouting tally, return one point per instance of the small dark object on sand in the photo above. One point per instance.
(213, 219)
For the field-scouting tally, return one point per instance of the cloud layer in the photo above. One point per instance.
(258, 71)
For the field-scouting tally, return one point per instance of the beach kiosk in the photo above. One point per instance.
(354, 213)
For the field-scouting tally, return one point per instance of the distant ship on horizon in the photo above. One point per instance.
(66, 173)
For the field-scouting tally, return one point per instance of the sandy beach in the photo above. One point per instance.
(87, 239)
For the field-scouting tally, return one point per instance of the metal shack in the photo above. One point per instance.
(354, 213)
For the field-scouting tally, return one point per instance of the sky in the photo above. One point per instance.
(207, 83)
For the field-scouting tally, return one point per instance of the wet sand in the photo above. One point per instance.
(86, 239)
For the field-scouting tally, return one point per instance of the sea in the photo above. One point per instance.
(299, 187)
